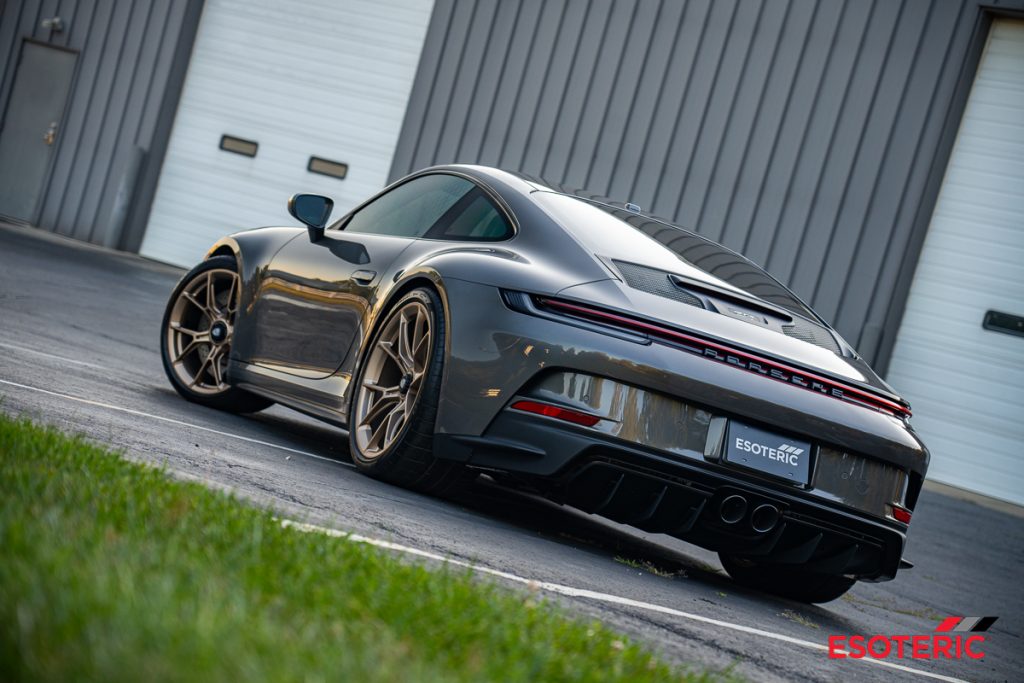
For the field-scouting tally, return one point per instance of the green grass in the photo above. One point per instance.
(112, 571)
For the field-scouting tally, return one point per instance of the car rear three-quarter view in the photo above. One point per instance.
(470, 320)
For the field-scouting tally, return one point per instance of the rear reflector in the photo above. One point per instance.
(901, 514)
(548, 410)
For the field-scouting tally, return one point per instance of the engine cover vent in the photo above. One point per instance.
(659, 282)
(805, 330)
(654, 281)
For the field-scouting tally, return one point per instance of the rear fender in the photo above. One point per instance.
(504, 268)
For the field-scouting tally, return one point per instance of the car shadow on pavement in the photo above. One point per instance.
(702, 580)
(590, 534)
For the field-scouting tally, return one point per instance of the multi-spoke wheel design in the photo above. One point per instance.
(396, 393)
(199, 330)
(393, 378)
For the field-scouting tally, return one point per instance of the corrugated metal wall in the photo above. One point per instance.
(811, 136)
(125, 83)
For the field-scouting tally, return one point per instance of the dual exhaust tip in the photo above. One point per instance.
(764, 518)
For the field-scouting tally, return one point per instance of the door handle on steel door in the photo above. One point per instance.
(364, 277)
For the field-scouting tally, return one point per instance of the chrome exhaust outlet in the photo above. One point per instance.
(733, 509)
(764, 518)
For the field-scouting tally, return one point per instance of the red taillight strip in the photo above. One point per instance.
(557, 412)
(856, 395)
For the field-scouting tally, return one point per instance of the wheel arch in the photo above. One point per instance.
(223, 250)
(408, 281)
(226, 246)
(428, 278)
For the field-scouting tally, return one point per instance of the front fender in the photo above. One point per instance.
(253, 251)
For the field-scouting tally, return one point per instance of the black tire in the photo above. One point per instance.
(788, 581)
(409, 461)
(231, 399)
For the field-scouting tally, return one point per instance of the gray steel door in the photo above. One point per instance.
(32, 125)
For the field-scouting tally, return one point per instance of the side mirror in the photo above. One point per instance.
(313, 210)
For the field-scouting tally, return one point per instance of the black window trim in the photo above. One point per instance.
(500, 204)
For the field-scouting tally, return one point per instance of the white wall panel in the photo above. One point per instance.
(966, 384)
(328, 79)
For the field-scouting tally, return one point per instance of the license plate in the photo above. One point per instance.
(768, 452)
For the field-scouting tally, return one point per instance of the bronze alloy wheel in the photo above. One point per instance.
(393, 379)
(199, 327)
(396, 391)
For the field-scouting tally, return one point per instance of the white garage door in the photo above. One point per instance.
(966, 383)
(327, 79)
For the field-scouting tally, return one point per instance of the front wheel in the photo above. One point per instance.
(395, 395)
(788, 581)
(196, 335)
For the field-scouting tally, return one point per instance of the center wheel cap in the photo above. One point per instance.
(219, 332)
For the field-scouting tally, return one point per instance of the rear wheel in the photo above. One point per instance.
(394, 405)
(196, 336)
(788, 581)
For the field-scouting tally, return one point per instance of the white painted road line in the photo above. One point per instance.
(571, 592)
(139, 413)
(558, 589)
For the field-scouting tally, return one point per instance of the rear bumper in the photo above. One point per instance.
(662, 493)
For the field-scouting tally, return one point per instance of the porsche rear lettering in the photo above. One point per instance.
(774, 373)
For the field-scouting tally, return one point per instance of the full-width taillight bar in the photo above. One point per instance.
(731, 356)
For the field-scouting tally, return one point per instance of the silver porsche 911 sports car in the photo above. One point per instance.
(469, 320)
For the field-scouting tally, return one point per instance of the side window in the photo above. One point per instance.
(473, 219)
(412, 208)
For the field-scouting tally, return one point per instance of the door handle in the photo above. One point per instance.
(364, 276)
(51, 133)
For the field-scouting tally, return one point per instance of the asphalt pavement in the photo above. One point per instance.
(79, 332)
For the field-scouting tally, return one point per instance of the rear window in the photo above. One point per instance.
(696, 252)
(721, 262)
